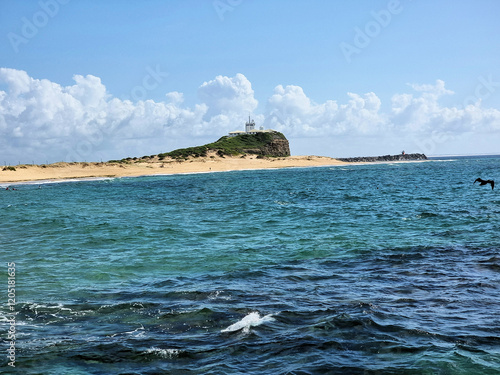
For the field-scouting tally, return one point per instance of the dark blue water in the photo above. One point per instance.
(363, 269)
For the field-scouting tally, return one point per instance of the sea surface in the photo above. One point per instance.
(357, 269)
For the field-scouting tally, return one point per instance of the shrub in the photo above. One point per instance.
(241, 144)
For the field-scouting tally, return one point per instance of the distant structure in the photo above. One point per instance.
(249, 125)
(250, 129)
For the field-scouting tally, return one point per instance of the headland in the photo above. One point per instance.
(239, 150)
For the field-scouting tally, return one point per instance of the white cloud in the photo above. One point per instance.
(435, 91)
(228, 95)
(18, 80)
(42, 120)
(423, 114)
(82, 121)
(414, 119)
(291, 111)
(175, 97)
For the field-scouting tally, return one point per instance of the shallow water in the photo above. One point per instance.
(362, 269)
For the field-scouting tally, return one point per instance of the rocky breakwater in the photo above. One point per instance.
(385, 158)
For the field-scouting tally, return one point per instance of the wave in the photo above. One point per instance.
(136, 331)
(422, 215)
(55, 181)
(164, 353)
(251, 320)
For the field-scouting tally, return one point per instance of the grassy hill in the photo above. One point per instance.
(264, 144)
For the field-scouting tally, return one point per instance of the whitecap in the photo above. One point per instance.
(55, 181)
(141, 328)
(282, 203)
(164, 353)
(217, 295)
(251, 320)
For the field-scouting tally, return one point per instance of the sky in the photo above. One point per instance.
(92, 80)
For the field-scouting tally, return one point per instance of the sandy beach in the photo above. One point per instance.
(211, 163)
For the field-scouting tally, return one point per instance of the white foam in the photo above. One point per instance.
(164, 353)
(251, 320)
(55, 181)
(282, 203)
(141, 328)
(217, 295)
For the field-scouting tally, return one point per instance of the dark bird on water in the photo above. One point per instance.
(484, 182)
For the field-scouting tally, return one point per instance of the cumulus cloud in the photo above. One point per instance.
(225, 95)
(290, 110)
(77, 122)
(423, 114)
(44, 120)
(416, 120)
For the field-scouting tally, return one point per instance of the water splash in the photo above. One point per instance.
(251, 320)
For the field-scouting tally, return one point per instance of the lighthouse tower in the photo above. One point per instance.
(250, 125)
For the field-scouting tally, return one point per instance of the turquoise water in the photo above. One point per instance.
(362, 269)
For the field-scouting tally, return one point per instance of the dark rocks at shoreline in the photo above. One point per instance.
(385, 158)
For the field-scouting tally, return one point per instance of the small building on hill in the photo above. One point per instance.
(249, 125)
(250, 129)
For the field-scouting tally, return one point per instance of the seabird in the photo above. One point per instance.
(484, 182)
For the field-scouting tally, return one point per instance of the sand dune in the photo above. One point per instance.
(211, 163)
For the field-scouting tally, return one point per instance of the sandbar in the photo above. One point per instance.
(167, 166)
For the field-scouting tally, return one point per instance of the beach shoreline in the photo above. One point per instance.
(68, 171)
(62, 171)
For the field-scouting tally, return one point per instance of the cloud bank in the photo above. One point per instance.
(43, 121)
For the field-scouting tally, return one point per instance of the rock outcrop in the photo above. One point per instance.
(276, 147)
(271, 143)
(385, 158)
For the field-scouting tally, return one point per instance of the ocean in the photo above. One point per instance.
(351, 269)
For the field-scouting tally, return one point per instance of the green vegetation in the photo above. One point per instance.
(241, 144)
(9, 168)
(238, 145)
(184, 153)
(123, 161)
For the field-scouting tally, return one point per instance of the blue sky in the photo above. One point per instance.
(111, 79)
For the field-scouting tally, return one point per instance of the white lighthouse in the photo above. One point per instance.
(249, 125)
(250, 129)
